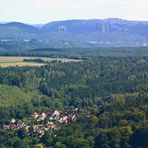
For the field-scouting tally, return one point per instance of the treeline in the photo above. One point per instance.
(35, 60)
(78, 53)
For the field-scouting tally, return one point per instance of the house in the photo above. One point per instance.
(57, 112)
(53, 127)
(13, 127)
(35, 115)
(55, 115)
(50, 123)
(42, 117)
(21, 124)
(63, 119)
(74, 118)
(6, 127)
(34, 128)
(13, 121)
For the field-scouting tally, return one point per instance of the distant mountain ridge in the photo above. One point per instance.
(81, 33)
(104, 26)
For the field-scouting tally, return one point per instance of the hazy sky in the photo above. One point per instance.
(41, 11)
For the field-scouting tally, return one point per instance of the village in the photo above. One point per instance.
(43, 121)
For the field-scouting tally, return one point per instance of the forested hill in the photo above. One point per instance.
(75, 33)
(110, 94)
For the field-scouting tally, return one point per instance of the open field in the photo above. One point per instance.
(6, 61)
(20, 64)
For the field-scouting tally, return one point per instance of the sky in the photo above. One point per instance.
(43, 11)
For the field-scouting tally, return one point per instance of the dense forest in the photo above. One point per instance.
(108, 86)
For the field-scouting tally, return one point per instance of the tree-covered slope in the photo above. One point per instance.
(108, 92)
(17, 30)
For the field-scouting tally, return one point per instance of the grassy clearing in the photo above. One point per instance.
(6, 61)
(11, 95)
